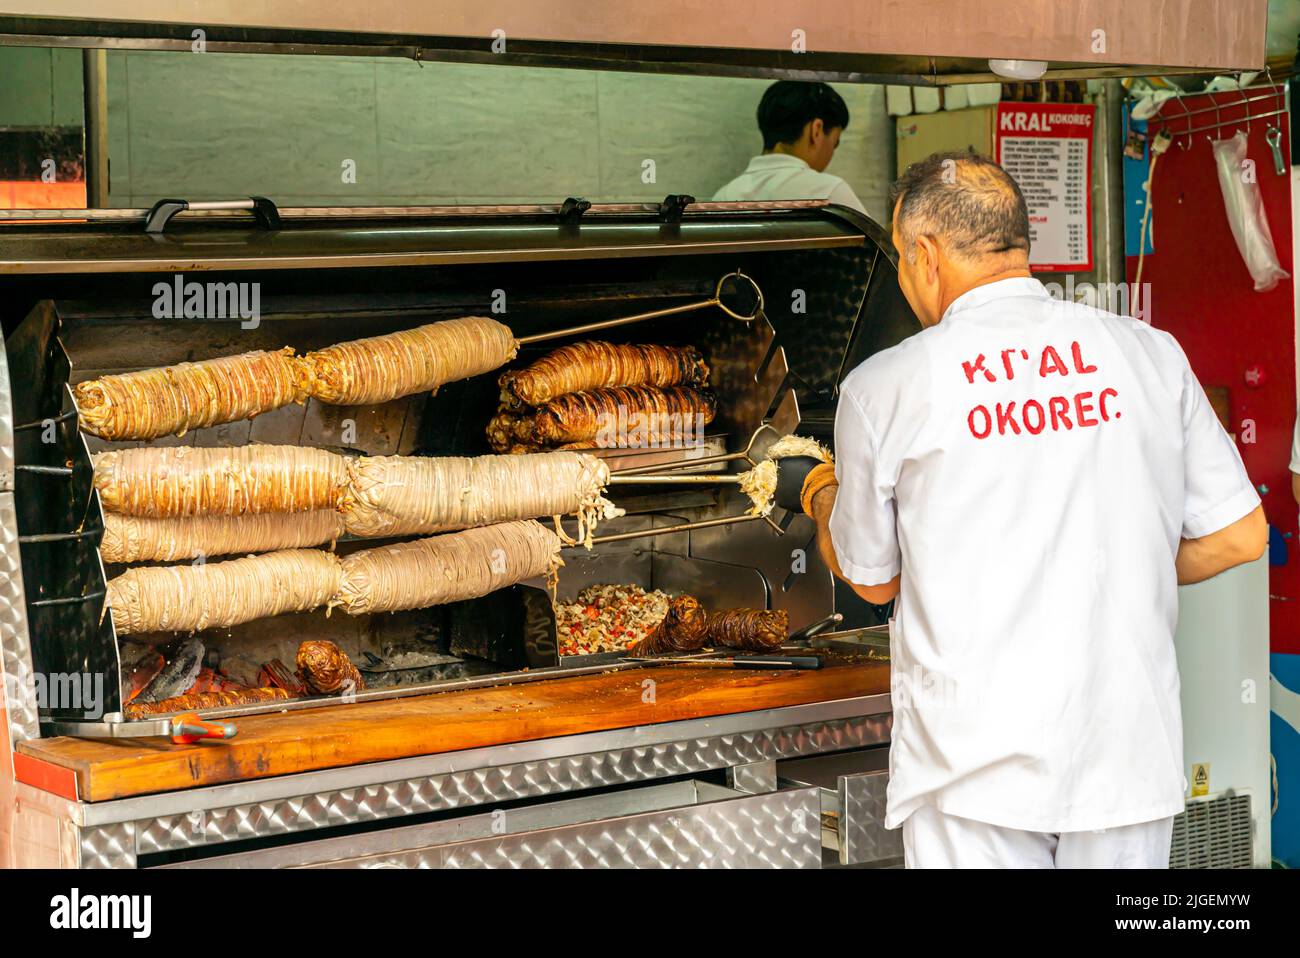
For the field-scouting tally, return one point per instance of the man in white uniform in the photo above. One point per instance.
(1033, 479)
(801, 125)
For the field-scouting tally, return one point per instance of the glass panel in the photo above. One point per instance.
(42, 154)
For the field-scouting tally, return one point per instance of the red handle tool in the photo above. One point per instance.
(189, 728)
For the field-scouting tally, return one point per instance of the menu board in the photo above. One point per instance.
(1047, 149)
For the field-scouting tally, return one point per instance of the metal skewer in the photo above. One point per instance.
(716, 300)
(709, 479)
(684, 527)
(705, 460)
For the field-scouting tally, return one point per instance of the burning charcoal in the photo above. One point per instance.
(141, 664)
(184, 660)
(327, 669)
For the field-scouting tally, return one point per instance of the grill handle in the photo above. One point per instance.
(263, 210)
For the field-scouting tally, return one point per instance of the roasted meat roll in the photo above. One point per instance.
(327, 669)
(381, 368)
(187, 598)
(688, 627)
(447, 568)
(581, 367)
(683, 629)
(174, 399)
(625, 416)
(508, 431)
(137, 539)
(171, 481)
(197, 701)
(748, 630)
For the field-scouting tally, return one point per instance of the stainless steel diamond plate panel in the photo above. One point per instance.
(108, 846)
(774, 830)
(862, 834)
(15, 652)
(501, 783)
(6, 424)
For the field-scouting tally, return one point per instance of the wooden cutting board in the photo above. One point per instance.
(287, 742)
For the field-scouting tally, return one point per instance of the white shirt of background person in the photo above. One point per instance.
(801, 124)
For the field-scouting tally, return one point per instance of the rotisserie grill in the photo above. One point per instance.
(198, 497)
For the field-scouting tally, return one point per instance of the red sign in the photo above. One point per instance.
(1047, 149)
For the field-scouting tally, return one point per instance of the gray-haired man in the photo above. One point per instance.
(1033, 479)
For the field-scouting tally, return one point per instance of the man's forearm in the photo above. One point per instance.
(823, 504)
(1243, 541)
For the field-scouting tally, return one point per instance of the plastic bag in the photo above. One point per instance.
(1246, 216)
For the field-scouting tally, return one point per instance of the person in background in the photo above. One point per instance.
(1033, 478)
(801, 125)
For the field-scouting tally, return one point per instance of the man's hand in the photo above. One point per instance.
(822, 502)
(792, 478)
(1243, 541)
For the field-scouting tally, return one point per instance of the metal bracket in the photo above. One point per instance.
(571, 210)
(673, 206)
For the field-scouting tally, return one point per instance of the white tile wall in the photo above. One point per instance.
(206, 126)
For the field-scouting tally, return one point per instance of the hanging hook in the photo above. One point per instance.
(1188, 113)
(1218, 119)
(1246, 103)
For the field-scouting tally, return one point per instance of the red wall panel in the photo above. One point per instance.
(1201, 291)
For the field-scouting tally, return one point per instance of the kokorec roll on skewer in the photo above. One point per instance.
(139, 539)
(405, 495)
(175, 399)
(164, 482)
(446, 568)
(622, 416)
(187, 598)
(584, 366)
(381, 368)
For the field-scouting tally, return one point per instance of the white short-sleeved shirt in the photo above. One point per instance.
(1295, 446)
(1030, 465)
(779, 176)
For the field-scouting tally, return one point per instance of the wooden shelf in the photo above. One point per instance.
(288, 742)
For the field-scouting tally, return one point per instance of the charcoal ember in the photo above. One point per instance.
(326, 668)
(141, 664)
(184, 661)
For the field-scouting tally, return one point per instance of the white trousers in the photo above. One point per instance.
(932, 839)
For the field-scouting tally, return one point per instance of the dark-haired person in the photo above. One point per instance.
(1033, 478)
(801, 125)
